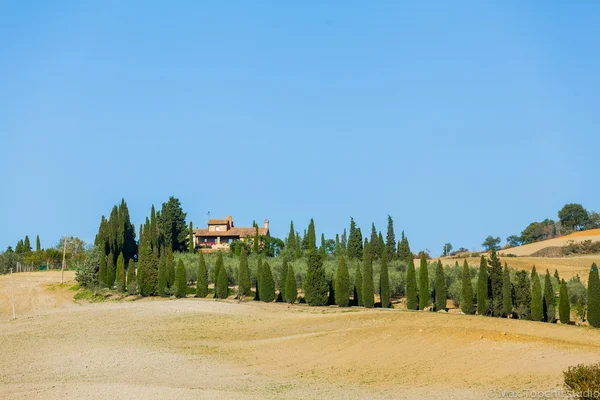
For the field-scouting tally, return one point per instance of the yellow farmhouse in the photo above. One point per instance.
(221, 233)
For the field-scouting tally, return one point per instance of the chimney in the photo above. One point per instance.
(267, 225)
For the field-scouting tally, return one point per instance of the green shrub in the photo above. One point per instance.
(583, 380)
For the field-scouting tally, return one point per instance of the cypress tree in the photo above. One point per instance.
(593, 297)
(311, 236)
(291, 240)
(381, 244)
(496, 281)
(38, 245)
(375, 251)
(291, 289)
(355, 250)
(217, 272)
(147, 278)
(322, 249)
(27, 245)
(549, 308)
(482, 287)
(358, 281)
(202, 280)
(537, 308)
(222, 287)
(440, 288)
(412, 302)
(367, 286)
(153, 230)
(390, 239)
(298, 249)
(466, 299)
(180, 280)
(342, 284)
(556, 276)
(243, 275)
(255, 241)
(102, 270)
(258, 278)
(191, 246)
(110, 271)
(120, 273)
(404, 252)
(170, 267)
(267, 287)
(523, 295)
(564, 307)
(162, 275)
(131, 278)
(316, 288)
(338, 250)
(384, 281)
(506, 292)
(423, 283)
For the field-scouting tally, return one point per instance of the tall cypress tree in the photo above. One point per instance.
(537, 308)
(258, 277)
(412, 302)
(384, 281)
(298, 249)
(131, 278)
(267, 287)
(202, 280)
(355, 250)
(180, 280)
(102, 270)
(564, 306)
(404, 252)
(466, 298)
(291, 288)
(170, 268)
(120, 273)
(358, 281)
(38, 245)
(390, 240)
(110, 271)
(593, 297)
(375, 251)
(423, 283)
(523, 295)
(440, 288)
(191, 247)
(482, 287)
(381, 244)
(162, 275)
(27, 245)
(496, 281)
(244, 275)
(506, 292)
(222, 288)
(311, 236)
(342, 283)
(368, 290)
(549, 308)
(147, 277)
(316, 288)
(338, 250)
(217, 272)
(323, 249)
(255, 241)
(291, 240)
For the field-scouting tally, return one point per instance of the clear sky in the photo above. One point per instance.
(459, 119)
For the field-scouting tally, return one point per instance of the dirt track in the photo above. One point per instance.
(194, 348)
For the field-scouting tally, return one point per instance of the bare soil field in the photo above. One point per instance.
(202, 348)
(577, 237)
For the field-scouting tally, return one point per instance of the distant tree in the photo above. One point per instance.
(384, 282)
(404, 252)
(496, 282)
(344, 242)
(466, 299)
(102, 270)
(172, 229)
(556, 276)
(537, 308)
(447, 249)
(180, 280)
(536, 231)
(120, 279)
(342, 283)
(244, 282)
(355, 246)
(291, 288)
(202, 279)
(358, 283)
(131, 278)
(191, 246)
(440, 288)
(482, 287)
(110, 271)
(267, 286)
(222, 287)
(564, 305)
(423, 284)
(367, 273)
(291, 240)
(573, 216)
(390, 239)
(593, 297)
(38, 246)
(523, 295)
(311, 236)
(26, 245)
(86, 275)
(507, 306)
(412, 301)
(549, 309)
(217, 272)
(161, 286)
(316, 288)
(375, 252)
(513, 241)
(255, 241)
(491, 243)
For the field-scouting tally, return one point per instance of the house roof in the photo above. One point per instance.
(241, 232)
(217, 222)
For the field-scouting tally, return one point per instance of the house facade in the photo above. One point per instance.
(220, 233)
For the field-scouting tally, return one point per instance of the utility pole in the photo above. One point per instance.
(12, 286)
(62, 273)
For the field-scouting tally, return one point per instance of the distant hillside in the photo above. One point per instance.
(577, 237)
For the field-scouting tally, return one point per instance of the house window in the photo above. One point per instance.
(217, 228)
(205, 240)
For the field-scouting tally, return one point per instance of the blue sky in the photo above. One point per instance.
(458, 119)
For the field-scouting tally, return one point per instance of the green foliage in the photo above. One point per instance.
(573, 216)
(583, 380)
(316, 289)
(132, 287)
(384, 281)
(466, 298)
(110, 271)
(311, 236)
(170, 268)
(102, 268)
(244, 275)
(180, 280)
(323, 248)
(87, 273)
(120, 281)
(172, 229)
(117, 234)
(482, 287)
(564, 306)
(217, 272)
(147, 278)
(496, 282)
(291, 288)
(367, 272)
(507, 306)
(390, 239)
(222, 285)
(267, 284)
(523, 295)
(536, 231)
(549, 310)
(441, 294)
(342, 283)
(358, 283)
(593, 297)
(537, 308)
(411, 284)
(423, 284)
(191, 246)
(201, 277)
(291, 240)
(355, 245)
(38, 246)
(404, 252)
(255, 241)
(491, 242)
(447, 249)
(162, 275)
(577, 291)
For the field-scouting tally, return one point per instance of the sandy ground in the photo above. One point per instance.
(529, 249)
(202, 348)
